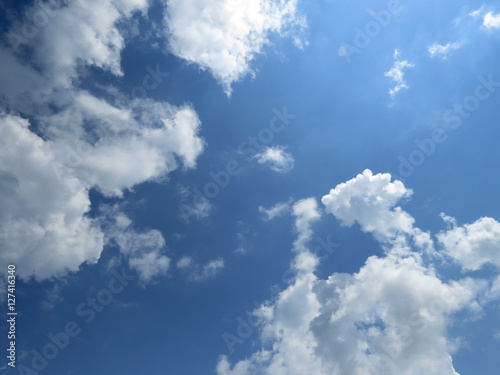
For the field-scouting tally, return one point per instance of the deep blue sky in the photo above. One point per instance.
(346, 121)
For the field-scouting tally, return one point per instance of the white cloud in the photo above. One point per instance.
(306, 212)
(65, 169)
(440, 50)
(149, 151)
(199, 207)
(44, 227)
(80, 33)
(277, 158)
(491, 21)
(149, 265)
(86, 142)
(225, 35)
(197, 272)
(370, 200)
(473, 245)
(450, 221)
(138, 141)
(390, 317)
(144, 250)
(279, 209)
(224, 367)
(476, 13)
(397, 75)
(184, 262)
(207, 271)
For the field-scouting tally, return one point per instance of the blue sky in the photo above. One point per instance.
(236, 187)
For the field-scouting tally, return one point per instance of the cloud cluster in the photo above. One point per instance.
(392, 315)
(77, 140)
(225, 35)
(490, 19)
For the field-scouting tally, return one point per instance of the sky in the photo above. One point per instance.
(234, 187)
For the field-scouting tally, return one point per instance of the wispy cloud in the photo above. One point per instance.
(442, 50)
(279, 209)
(145, 250)
(277, 158)
(476, 13)
(200, 207)
(397, 75)
(184, 262)
(207, 271)
(197, 272)
(490, 20)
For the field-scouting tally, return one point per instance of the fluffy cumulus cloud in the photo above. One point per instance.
(141, 141)
(390, 317)
(370, 200)
(277, 158)
(442, 50)
(43, 224)
(76, 140)
(50, 183)
(491, 21)
(396, 74)
(225, 35)
(473, 245)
